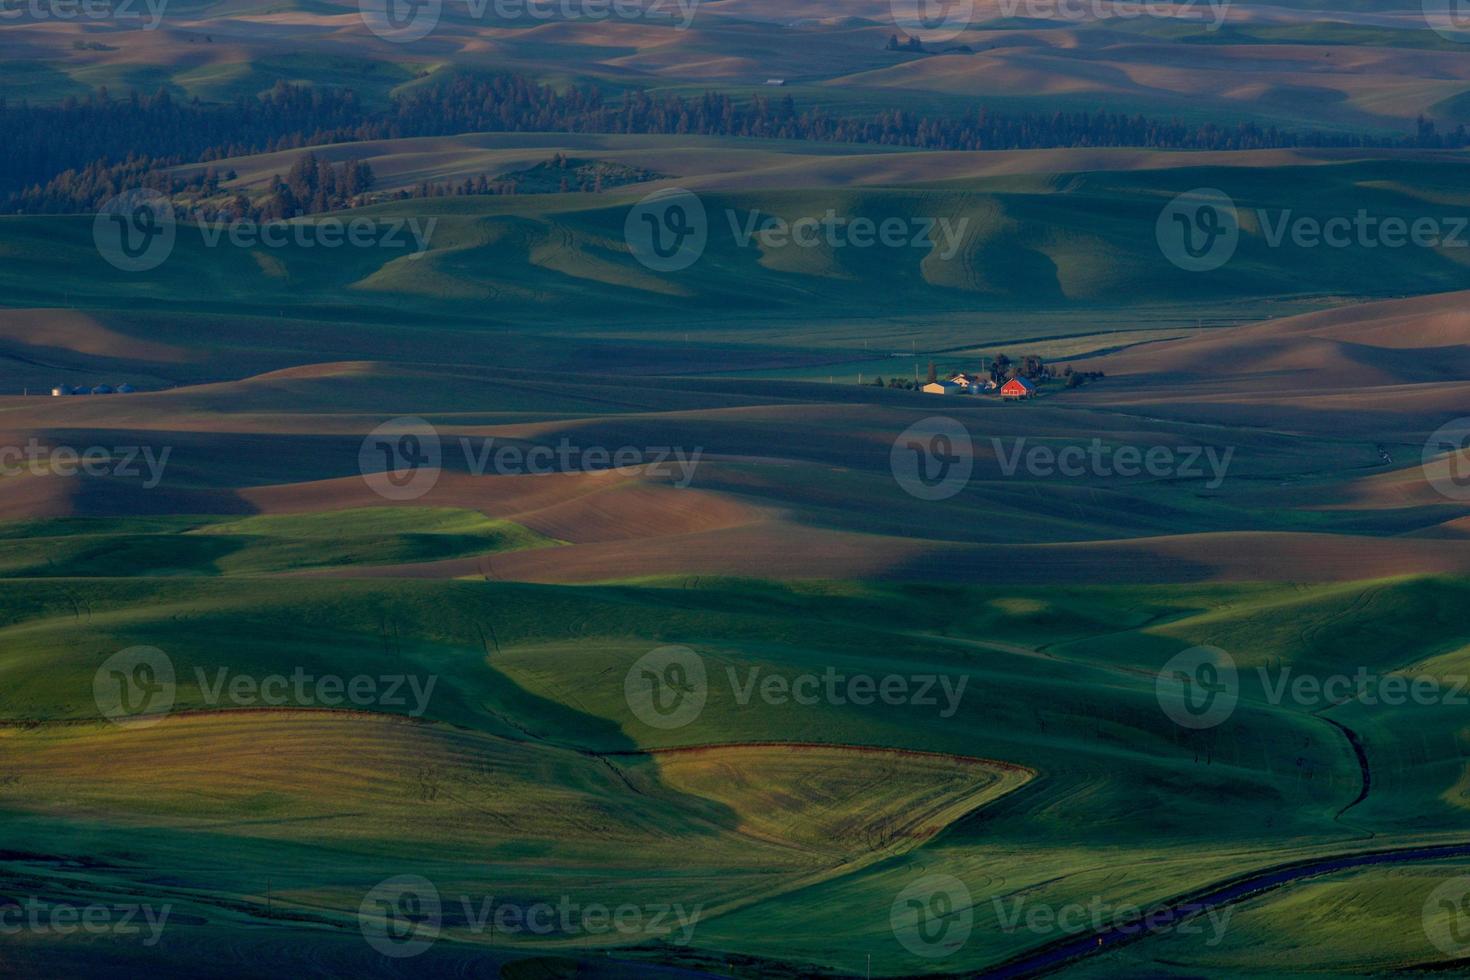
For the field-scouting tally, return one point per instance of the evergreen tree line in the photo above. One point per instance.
(71, 156)
(312, 186)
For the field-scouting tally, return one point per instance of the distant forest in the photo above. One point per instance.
(73, 156)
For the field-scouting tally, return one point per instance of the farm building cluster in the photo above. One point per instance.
(963, 384)
(1018, 380)
(61, 391)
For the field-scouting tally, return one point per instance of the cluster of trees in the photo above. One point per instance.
(571, 177)
(1031, 367)
(481, 186)
(1076, 379)
(559, 175)
(313, 185)
(57, 147)
(487, 185)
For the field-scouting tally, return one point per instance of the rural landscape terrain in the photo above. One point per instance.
(658, 488)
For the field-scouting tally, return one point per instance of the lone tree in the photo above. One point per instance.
(933, 375)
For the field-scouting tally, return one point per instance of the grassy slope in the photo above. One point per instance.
(1310, 929)
(1029, 244)
(1126, 806)
(354, 788)
(253, 545)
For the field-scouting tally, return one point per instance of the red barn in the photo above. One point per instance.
(1017, 388)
